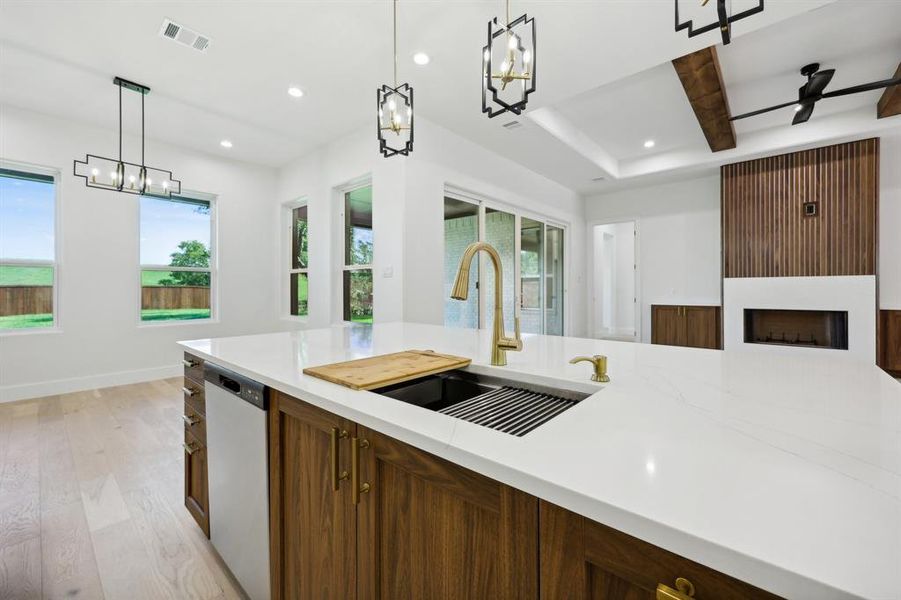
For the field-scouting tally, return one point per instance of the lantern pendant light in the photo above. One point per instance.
(119, 175)
(722, 20)
(395, 112)
(508, 65)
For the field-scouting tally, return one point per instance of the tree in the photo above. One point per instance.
(191, 253)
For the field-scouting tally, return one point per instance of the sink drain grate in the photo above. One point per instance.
(511, 410)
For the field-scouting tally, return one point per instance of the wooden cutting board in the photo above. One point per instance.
(387, 369)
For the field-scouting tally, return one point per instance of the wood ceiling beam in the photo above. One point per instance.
(890, 103)
(702, 80)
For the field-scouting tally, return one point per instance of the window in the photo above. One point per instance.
(28, 268)
(358, 248)
(531, 252)
(177, 258)
(298, 277)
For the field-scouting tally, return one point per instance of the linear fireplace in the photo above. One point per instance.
(808, 328)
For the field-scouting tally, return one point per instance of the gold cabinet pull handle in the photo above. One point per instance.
(337, 474)
(190, 421)
(685, 590)
(190, 448)
(188, 391)
(357, 488)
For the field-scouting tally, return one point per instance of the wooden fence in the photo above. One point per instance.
(38, 299)
(183, 296)
(26, 300)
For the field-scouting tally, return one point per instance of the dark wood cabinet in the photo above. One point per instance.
(196, 485)
(430, 529)
(584, 560)
(690, 326)
(356, 514)
(197, 499)
(313, 529)
(419, 526)
(890, 341)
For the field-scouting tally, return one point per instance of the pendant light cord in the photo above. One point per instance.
(120, 122)
(142, 127)
(395, 43)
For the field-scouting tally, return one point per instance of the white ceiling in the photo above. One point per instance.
(603, 67)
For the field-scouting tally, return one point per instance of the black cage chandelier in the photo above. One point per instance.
(395, 112)
(509, 58)
(723, 20)
(122, 176)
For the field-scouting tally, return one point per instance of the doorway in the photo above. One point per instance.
(615, 282)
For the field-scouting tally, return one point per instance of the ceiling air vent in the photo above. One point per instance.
(183, 35)
(601, 178)
(512, 125)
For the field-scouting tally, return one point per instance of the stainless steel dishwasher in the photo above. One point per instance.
(238, 469)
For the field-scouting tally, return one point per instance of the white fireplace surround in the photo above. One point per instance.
(855, 294)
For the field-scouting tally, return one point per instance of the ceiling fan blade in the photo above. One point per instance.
(763, 110)
(818, 82)
(804, 114)
(866, 87)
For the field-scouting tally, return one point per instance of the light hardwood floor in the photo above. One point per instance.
(91, 499)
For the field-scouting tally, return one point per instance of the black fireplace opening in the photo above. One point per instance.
(807, 328)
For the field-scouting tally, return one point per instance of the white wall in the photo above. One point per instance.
(101, 341)
(614, 309)
(678, 240)
(408, 215)
(890, 221)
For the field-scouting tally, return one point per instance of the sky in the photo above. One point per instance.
(27, 229)
(26, 219)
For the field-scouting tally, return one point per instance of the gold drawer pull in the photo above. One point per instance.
(188, 391)
(190, 421)
(685, 590)
(357, 488)
(190, 448)
(189, 363)
(337, 474)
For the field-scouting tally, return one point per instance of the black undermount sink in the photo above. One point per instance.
(502, 404)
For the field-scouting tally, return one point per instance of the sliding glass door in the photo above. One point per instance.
(531, 252)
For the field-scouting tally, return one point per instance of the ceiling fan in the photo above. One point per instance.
(812, 92)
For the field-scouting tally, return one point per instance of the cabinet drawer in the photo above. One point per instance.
(195, 423)
(194, 395)
(193, 368)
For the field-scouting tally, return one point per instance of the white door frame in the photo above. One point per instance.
(589, 234)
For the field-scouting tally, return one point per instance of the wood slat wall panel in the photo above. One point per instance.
(765, 232)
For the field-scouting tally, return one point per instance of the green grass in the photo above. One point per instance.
(174, 314)
(26, 321)
(16, 275)
(362, 319)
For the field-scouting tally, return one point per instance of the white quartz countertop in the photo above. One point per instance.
(784, 472)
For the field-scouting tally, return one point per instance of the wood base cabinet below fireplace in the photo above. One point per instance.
(690, 326)
(890, 341)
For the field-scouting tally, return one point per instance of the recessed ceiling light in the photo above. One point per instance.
(225, 143)
(295, 91)
(650, 144)
(421, 58)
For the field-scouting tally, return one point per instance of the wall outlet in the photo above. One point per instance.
(388, 272)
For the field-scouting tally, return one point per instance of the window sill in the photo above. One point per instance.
(176, 322)
(30, 331)
(296, 318)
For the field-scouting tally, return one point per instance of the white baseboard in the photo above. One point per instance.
(25, 391)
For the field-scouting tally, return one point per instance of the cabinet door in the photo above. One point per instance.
(584, 560)
(430, 529)
(312, 526)
(196, 485)
(702, 326)
(667, 325)
(891, 341)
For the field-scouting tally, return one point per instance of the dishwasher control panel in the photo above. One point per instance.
(243, 387)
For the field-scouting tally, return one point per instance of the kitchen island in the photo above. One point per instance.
(783, 472)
